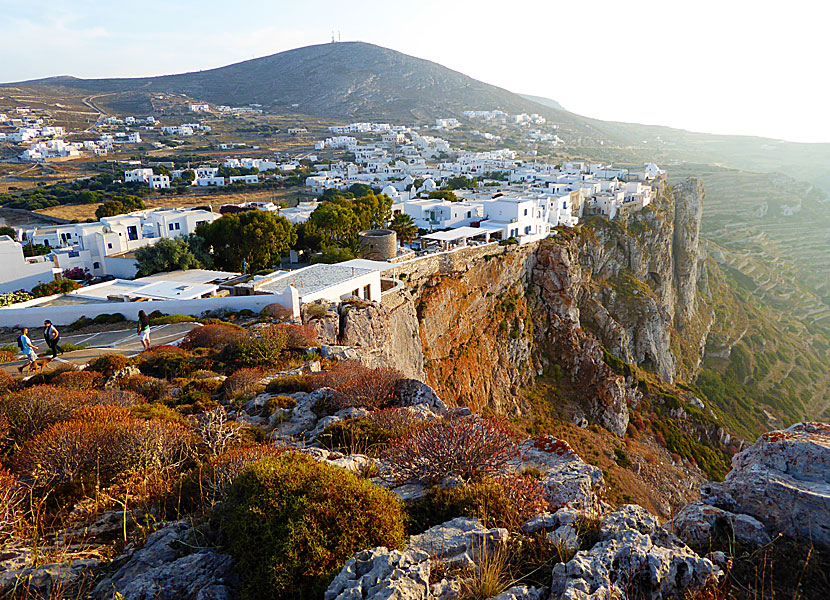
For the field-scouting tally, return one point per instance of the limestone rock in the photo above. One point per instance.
(459, 542)
(162, 570)
(783, 480)
(698, 523)
(382, 574)
(43, 579)
(521, 592)
(630, 563)
(411, 392)
(568, 479)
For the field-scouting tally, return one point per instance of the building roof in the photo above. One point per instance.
(458, 233)
(314, 278)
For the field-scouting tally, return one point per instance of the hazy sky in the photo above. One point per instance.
(722, 66)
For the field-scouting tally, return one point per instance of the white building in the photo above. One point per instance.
(20, 273)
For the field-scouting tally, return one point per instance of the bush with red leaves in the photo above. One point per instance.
(33, 409)
(103, 442)
(151, 388)
(277, 311)
(241, 382)
(356, 385)
(470, 447)
(214, 337)
(11, 500)
(298, 336)
(7, 382)
(77, 380)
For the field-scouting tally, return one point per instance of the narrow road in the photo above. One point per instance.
(122, 341)
(90, 102)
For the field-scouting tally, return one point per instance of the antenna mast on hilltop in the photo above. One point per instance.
(332, 37)
(338, 35)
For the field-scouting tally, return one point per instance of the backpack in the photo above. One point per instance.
(20, 343)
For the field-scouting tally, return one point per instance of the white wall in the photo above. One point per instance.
(16, 272)
(336, 292)
(33, 316)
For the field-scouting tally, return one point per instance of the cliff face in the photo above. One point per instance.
(481, 324)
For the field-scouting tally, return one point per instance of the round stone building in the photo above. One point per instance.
(378, 244)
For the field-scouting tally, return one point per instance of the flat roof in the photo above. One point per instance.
(363, 263)
(190, 276)
(455, 234)
(314, 278)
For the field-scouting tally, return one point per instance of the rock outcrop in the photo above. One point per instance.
(168, 568)
(783, 481)
(634, 558)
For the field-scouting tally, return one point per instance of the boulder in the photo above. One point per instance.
(164, 569)
(698, 523)
(634, 558)
(382, 574)
(411, 392)
(18, 575)
(459, 542)
(783, 481)
(568, 479)
(522, 592)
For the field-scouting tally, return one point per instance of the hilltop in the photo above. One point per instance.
(330, 80)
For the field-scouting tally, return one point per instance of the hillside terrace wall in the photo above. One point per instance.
(444, 262)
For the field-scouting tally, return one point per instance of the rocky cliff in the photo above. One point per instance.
(490, 321)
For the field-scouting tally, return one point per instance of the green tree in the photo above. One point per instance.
(171, 255)
(110, 208)
(9, 231)
(403, 225)
(444, 195)
(256, 238)
(335, 224)
(188, 175)
(360, 189)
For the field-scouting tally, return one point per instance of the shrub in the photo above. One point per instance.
(356, 436)
(277, 311)
(14, 297)
(292, 383)
(155, 410)
(228, 465)
(242, 382)
(11, 499)
(77, 380)
(260, 350)
(171, 319)
(508, 501)
(279, 401)
(468, 447)
(292, 523)
(57, 286)
(316, 310)
(215, 337)
(32, 410)
(357, 385)
(151, 388)
(298, 336)
(109, 364)
(103, 442)
(7, 382)
(165, 364)
(7, 357)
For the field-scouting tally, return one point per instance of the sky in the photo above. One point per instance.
(727, 66)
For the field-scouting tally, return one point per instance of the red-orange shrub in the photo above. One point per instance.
(215, 337)
(11, 500)
(242, 381)
(150, 388)
(7, 382)
(109, 364)
(7, 356)
(77, 380)
(277, 311)
(396, 419)
(33, 409)
(298, 336)
(357, 385)
(102, 443)
(468, 447)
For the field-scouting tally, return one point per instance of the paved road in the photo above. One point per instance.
(123, 341)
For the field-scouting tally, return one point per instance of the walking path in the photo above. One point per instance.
(122, 341)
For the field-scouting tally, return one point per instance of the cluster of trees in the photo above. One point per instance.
(256, 240)
(118, 206)
(93, 190)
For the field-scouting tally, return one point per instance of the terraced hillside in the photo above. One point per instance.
(766, 356)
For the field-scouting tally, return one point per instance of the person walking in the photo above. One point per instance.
(52, 337)
(28, 349)
(144, 329)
